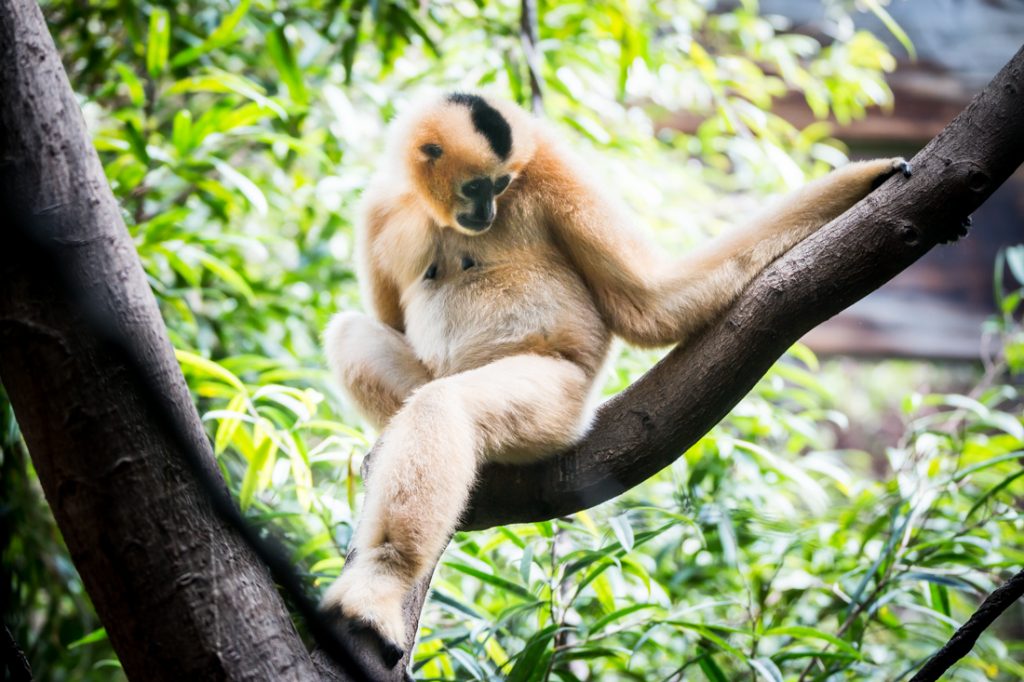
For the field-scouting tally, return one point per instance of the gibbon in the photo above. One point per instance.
(497, 271)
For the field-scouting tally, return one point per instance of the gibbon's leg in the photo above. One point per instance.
(672, 305)
(424, 466)
(373, 363)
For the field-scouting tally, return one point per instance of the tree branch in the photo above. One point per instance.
(963, 639)
(181, 596)
(647, 426)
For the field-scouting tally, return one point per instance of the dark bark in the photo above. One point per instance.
(964, 638)
(181, 596)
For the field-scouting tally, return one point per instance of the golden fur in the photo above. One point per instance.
(498, 359)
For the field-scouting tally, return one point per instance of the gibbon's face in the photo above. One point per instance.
(465, 153)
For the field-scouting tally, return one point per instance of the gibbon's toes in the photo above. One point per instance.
(362, 636)
(370, 598)
(959, 232)
(899, 165)
(390, 652)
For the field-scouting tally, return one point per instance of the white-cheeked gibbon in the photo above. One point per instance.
(497, 270)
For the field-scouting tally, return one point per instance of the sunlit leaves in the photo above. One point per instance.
(159, 41)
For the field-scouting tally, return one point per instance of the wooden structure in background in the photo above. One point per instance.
(935, 309)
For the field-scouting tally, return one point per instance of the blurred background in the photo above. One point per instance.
(847, 516)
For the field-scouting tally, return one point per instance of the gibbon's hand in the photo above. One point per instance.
(899, 165)
(958, 232)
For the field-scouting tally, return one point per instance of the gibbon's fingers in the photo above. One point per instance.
(899, 165)
(374, 364)
(518, 407)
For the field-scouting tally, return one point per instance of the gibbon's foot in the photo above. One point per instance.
(957, 233)
(369, 598)
(362, 636)
(899, 165)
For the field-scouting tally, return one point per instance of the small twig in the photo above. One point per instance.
(963, 639)
(528, 37)
(13, 659)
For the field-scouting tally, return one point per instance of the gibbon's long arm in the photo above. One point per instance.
(650, 300)
(378, 289)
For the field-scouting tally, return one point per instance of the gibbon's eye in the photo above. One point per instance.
(475, 188)
(501, 184)
(434, 151)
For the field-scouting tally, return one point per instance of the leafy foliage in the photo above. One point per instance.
(237, 137)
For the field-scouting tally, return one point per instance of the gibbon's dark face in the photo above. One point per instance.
(466, 160)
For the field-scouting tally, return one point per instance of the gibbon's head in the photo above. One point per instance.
(460, 153)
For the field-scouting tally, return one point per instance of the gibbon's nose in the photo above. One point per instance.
(484, 212)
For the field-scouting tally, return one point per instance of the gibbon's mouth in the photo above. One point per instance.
(471, 223)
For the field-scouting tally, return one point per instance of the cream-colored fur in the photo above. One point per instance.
(497, 359)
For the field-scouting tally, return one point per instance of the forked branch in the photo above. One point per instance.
(649, 425)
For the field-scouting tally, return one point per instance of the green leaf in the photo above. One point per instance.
(705, 631)
(894, 28)
(711, 669)
(619, 614)
(159, 41)
(456, 604)
(218, 80)
(221, 36)
(228, 275)
(988, 463)
(623, 530)
(181, 135)
(939, 595)
(190, 362)
(531, 662)
(490, 579)
(283, 56)
(526, 563)
(257, 473)
(802, 631)
(228, 425)
(94, 636)
(136, 93)
(249, 189)
(994, 490)
(1015, 259)
(767, 669)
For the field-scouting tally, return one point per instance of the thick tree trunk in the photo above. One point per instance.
(180, 595)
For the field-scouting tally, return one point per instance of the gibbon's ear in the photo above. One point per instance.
(433, 151)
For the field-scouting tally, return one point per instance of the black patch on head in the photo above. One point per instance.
(434, 151)
(487, 121)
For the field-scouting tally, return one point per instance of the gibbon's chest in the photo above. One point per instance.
(478, 299)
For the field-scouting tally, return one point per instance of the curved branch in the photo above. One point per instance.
(963, 639)
(646, 427)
